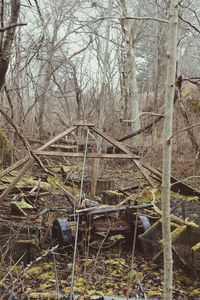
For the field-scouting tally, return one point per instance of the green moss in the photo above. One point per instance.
(183, 197)
(196, 292)
(114, 194)
(43, 295)
(23, 204)
(44, 286)
(46, 276)
(178, 231)
(95, 293)
(89, 262)
(151, 294)
(47, 266)
(29, 181)
(196, 247)
(33, 271)
(191, 224)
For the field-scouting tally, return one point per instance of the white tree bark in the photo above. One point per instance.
(167, 147)
(130, 97)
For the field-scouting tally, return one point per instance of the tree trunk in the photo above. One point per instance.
(167, 147)
(44, 82)
(103, 106)
(6, 40)
(129, 102)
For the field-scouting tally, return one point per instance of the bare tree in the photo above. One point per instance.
(167, 148)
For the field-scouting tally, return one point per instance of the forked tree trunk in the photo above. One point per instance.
(167, 147)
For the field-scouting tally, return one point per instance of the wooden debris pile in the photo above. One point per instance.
(41, 209)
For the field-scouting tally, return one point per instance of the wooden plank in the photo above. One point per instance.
(84, 124)
(58, 137)
(30, 162)
(111, 209)
(14, 166)
(145, 174)
(16, 179)
(43, 147)
(89, 155)
(114, 142)
(177, 185)
(70, 147)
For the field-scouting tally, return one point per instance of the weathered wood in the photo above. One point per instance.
(65, 147)
(110, 209)
(177, 184)
(145, 174)
(14, 166)
(72, 200)
(16, 179)
(89, 155)
(30, 162)
(113, 142)
(43, 147)
(84, 124)
(122, 148)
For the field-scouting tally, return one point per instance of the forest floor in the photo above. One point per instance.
(99, 273)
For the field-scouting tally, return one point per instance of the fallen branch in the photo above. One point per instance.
(144, 128)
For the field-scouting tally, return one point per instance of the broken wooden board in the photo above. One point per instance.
(185, 237)
(177, 185)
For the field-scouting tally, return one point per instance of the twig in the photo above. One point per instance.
(183, 129)
(190, 24)
(133, 18)
(133, 254)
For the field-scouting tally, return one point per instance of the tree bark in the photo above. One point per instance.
(103, 105)
(167, 148)
(129, 102)
(6, 40)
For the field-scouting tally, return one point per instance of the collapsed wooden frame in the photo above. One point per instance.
(147, 171)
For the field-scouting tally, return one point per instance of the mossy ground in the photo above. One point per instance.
(107, 274)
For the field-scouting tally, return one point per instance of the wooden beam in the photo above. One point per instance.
(89, 155)
(114, 142)
(70, 147)
(144, 172)
(16, 179)
(29, 161)
(122, 148)
(84, 124)
(177, 185)
(43, 147)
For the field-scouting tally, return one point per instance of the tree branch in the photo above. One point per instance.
(143, 114)
(146, 127)
(12, 26)
(190, 24)
(133, 18)
(183, 129)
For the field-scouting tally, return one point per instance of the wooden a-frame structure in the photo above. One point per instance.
(145, 169)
